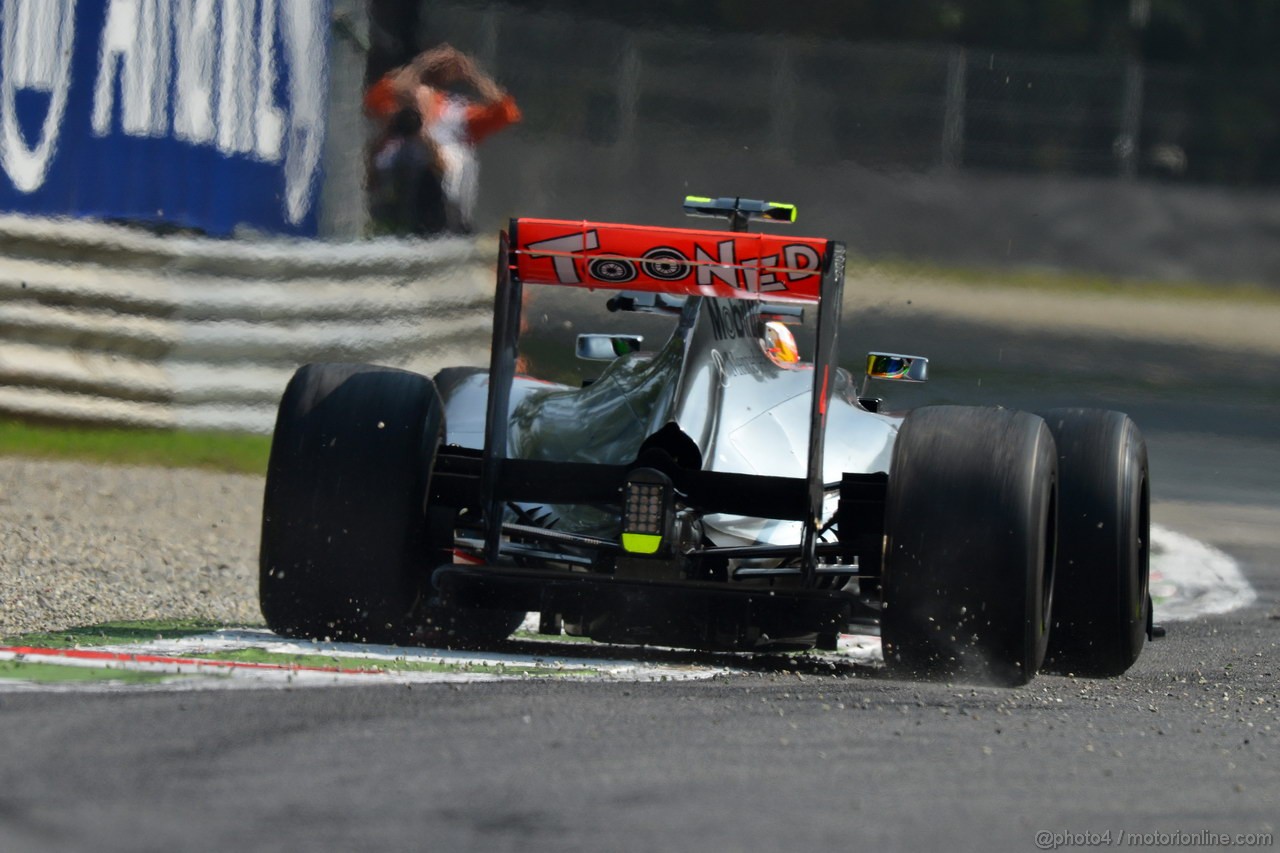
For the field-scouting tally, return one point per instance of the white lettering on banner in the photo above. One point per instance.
(136, 36)
(195, 44)
(135, 45)
(235, 79)
(305, 31)
(36, 43)
(224, 53)
(267, 117)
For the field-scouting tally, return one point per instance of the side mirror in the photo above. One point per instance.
(903, 368)
(607, 347)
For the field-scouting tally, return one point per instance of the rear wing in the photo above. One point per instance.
(668, 260)
(692, 262)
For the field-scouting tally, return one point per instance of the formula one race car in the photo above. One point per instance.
(719, 493)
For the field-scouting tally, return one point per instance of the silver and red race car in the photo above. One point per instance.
(721, 492)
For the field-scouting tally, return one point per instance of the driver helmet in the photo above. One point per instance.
(780, 344)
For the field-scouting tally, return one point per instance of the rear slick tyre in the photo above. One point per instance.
(347, 544)
(1102, 605)
(344, 540)
(970, 529)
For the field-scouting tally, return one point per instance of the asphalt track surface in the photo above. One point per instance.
(788, 757)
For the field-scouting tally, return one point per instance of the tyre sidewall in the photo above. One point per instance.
(969, 544)
(1103, 601)
(344, 546)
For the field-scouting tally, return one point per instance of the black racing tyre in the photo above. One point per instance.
(346, 545)
(1101, 600)
(970, 529)
(344, 540)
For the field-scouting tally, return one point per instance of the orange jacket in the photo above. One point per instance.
(382, 101)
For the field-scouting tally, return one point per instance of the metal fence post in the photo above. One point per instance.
(1134, 82)
(628, 88)
(1130, 119)
(489, 41)
(953, 111)
(344, 210)
(782, 102)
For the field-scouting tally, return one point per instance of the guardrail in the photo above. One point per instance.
(104, 323)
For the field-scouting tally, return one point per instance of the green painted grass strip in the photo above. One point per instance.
(255, 655)
(141, 632)
(49, 673)
(115, 633)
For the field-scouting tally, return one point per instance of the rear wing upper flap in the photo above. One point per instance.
(669, 260)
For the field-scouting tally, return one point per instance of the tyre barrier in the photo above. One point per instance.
(103, 323)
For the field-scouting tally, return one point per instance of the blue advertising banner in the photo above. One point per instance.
(205, 114)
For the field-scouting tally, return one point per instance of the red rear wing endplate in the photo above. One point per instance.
(668, 260)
